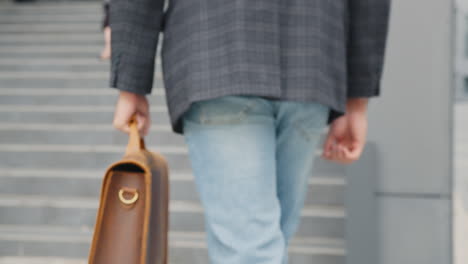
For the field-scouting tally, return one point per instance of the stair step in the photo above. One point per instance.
(95, 149)
(58, 54)
(40, 260)
(84, 234)
(35, 18)
(82, 7)
(322, 190)
(317, 220)
(182, 186)
(55, 83)
(81, 212)
(64, 83)
(82, 121)
(50, 27)
(90, 100)
(68, 108)
(17, 173)
(194, 258)
(54, 68)
(29, 9)
(79, 156)
(99, 157)
(4, 91)
(53, 38)
(83, 127)
(54, 75)
(160, 136)
(49, 62)
(87, 156)
(21, 136)
(185, 247)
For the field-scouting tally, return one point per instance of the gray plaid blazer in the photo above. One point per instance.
(306, 50)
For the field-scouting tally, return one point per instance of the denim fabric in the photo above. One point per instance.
(251, 158)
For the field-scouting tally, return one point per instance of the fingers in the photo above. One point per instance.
(353, 153)
(130, 104)
(346, 139)
(143, 124)
(347, 155)
(122, 119)
(341, 152)
(122, 123)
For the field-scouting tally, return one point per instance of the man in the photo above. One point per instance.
(252, 84)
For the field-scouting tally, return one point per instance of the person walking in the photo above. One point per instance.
(252, 85)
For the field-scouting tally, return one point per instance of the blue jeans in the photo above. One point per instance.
(251, 158)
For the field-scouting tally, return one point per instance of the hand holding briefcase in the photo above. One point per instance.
(133, 219)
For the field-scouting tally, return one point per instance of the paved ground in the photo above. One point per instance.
(21, 260)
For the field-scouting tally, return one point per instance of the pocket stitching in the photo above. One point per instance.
(240, 116)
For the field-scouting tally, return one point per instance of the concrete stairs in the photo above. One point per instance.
(56, 139)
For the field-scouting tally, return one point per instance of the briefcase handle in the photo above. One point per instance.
(135, 141)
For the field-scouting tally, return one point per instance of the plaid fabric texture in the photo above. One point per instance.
(305, 50)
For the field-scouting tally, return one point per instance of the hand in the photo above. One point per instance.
(129, 104)
(347, 134)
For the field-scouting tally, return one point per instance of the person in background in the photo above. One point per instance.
(106, 52)
(252, 85)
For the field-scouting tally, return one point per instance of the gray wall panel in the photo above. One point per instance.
(411, 121)
(399, 197)
(414, 231)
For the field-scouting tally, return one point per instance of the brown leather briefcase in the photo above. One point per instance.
(133, 220)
